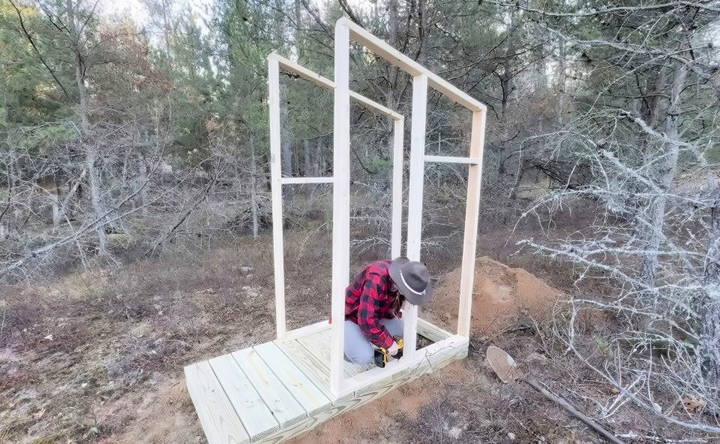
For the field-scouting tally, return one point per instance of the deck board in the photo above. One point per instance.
(252, 410)
(317, 344)
(216, 413)
(277, 390)
(313, 367)
(283, 405)
(302, 388)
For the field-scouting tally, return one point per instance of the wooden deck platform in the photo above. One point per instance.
(280, 389)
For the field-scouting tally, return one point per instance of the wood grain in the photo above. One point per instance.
(313, 367)
(276, 191)
(282, 404)
(255, 416)
(217, 415)
(303, 389)
(472, 213)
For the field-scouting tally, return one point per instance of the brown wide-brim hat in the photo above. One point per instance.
(412, 279)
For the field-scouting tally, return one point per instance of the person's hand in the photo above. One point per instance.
(394, 349)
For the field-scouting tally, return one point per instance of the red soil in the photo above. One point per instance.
(503, 298)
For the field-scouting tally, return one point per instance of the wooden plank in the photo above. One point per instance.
(426, 358)
(397, 188)
(395, 57)
(276, 187)
(249, 406)
(314, 368)
(375, 106)
(305, 180)
(309, 330)
(317, 79)
(341, 202)
(301, 71)
(472, 213)
(217, 415)
(453, 159)
(415, 198)
(440, 357)
(299, 428)
(317, 344)
(279, 400)
(319, 407)
(302, 388)
(431, 331)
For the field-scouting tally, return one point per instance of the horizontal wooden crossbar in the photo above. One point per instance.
(395, 57)
(305, 180)
(451, 159)
(294, 68)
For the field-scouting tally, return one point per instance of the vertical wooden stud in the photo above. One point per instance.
(415, 199)
(472, 208)
(276, 186)
(341, 203)
(397, 185)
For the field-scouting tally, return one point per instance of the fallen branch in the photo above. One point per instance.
(572, 410)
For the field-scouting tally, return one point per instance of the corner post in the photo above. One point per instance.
(341, 203)
(276, 185)
(415, 199)
(472, 209)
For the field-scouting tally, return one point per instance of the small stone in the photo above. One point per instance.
(455, 432)
(535, 356)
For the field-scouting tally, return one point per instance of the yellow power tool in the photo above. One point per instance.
(382, 355)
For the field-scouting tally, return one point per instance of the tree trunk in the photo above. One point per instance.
(319, 157)
(55, 202)
(143, 176)
(712, 262)
(90, 148)
(665, 177)
(561, 80)
(711, 317)
(95, 199)
(253, 189)
(307, 155)
(394, 20)
(285, 140)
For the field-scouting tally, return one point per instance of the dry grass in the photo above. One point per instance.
(97, 356)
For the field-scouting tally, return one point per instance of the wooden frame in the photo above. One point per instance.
(345, 32)
(276, 63)
(276, 390)
(279, 389)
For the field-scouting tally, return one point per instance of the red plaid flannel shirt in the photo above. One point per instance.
(369, 298)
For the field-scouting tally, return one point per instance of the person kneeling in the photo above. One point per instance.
(372, 305)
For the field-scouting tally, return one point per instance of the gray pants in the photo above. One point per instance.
(358, 348)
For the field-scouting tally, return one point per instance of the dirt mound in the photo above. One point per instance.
(503, 297)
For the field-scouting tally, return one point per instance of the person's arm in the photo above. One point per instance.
(367, 318)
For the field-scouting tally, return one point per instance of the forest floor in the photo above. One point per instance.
(98, 356)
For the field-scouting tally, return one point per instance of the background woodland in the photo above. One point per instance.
(124, 140)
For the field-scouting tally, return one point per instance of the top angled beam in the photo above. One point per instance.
(395, 57)
(294, 68)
